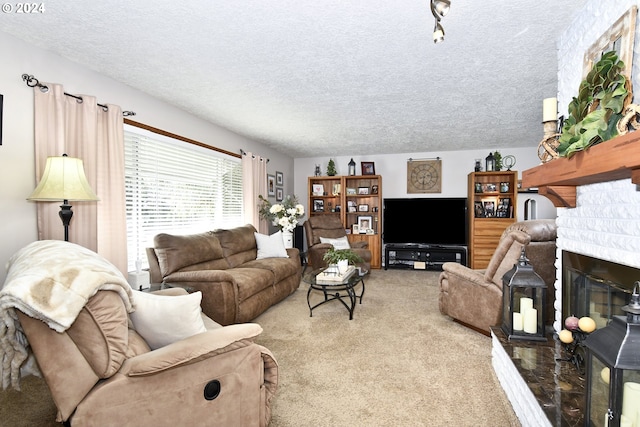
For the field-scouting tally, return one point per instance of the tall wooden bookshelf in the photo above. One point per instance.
(356, 200)
(492, 198)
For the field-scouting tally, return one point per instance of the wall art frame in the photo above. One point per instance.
(271, 185)
(619, 37)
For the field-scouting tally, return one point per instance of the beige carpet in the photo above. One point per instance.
(397, 363)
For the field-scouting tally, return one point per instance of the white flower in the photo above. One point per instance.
(283, 215)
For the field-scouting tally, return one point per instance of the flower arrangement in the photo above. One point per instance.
(283, 215)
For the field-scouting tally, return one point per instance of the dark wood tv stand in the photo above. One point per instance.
(418, 256)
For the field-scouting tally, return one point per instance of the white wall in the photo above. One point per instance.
(17, 175)
(456, 165)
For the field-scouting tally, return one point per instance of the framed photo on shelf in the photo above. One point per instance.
(368, 168)
(363, 208)
(489, 208)
(374, 189)
(351, 192)
(351, 209)
(271, 185)
(317, 189)
(363, 191)
(355, 228)
(279, 178)
(318, 205)
(478, 209)
(504, 208)
(336, 190)
(279, 195)
(364, 224)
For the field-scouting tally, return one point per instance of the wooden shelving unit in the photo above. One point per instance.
(492, 198)
(352, 199)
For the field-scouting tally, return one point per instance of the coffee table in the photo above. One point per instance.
(341, 291)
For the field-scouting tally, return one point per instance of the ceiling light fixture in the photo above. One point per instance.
(439, 8)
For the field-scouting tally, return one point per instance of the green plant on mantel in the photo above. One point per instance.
(595, 112)
(333, 255)
(497, 157)
(331, 168)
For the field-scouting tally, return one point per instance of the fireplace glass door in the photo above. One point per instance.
(595, 288)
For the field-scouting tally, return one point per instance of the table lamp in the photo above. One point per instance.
(63, 179)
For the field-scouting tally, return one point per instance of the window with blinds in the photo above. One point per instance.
(176, 187)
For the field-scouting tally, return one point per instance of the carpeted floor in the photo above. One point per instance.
(399, 362)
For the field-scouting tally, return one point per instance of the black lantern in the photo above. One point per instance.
(352, 167)
(613, 370)
(490, 163)
(524, 302)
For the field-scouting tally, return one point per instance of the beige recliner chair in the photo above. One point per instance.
(474, 297)
(101, 372)
(330, 226)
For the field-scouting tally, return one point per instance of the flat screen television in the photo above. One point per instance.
(429, 221)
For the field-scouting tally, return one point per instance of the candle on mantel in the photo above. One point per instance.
(631, 402)
(549, 109)
(525, 304)
(517, 321)
(530, 321)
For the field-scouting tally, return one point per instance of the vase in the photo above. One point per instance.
(287, 237)
(343, 265)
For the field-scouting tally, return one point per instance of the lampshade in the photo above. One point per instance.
(63, 179)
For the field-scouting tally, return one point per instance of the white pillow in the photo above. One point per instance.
(339, 243)
(270, 246)
(163, 319)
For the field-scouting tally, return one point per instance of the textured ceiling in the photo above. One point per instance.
(325, 78)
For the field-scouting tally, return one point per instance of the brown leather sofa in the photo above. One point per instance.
(330, 226)
(236, 287)
(474, 297)
(101, 372)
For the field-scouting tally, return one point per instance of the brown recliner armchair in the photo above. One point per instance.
(474, 297)
(329, 226)
(101, 372)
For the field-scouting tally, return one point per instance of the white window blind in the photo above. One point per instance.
(176, 187)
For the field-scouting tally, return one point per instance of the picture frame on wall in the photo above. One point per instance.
(271, 185)
(368, 168)
(279, 194)
(279, 178)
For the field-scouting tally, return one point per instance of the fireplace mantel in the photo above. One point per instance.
(618, 158)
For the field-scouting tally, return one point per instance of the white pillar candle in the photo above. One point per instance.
(631, 400)
(530, 321)
(525, 304)
(549, 109)
(517, 321)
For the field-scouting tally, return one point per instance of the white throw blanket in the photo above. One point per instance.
(50, 280)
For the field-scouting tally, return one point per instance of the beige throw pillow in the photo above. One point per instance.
(164, 319)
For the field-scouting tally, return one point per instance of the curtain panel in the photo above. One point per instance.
(82, 129)
(254, 177)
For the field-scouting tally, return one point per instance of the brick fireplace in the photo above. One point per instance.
(599, 220)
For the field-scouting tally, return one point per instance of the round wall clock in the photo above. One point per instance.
(424, 176)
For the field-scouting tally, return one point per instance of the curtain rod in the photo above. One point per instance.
(424, 158)
(244, 153)
(31, 81)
